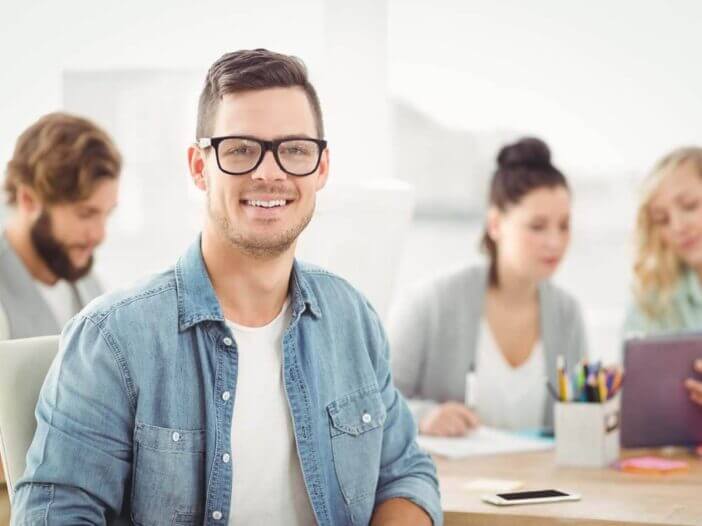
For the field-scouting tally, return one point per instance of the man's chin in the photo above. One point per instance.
(81, 264)
(264, 248)
(77, 269)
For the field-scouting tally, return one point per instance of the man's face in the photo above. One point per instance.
(65, 235)
(232, 200)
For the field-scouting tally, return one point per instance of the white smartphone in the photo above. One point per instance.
(530, 497)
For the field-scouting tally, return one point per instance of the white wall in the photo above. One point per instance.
(344, 45)
(39, 39)
(610, 85)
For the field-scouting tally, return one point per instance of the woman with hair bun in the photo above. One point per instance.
(503, 322)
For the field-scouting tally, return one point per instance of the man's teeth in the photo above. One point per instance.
(266, 204)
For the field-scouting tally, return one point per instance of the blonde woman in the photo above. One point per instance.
(668, 264)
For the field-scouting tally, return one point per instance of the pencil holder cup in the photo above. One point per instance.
(587, 434)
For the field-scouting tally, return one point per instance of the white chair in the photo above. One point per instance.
(24, 364)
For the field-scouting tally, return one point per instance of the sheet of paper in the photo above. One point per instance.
(482, 441)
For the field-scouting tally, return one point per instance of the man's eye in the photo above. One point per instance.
(241, 150)
(295, 150)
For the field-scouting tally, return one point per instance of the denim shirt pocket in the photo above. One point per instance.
(168, 479)
(356, 425)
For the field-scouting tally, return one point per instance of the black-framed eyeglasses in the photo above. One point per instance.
(239, 155)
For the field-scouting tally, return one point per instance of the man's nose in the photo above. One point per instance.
(269, 170)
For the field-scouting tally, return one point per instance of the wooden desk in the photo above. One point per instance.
(609, 497)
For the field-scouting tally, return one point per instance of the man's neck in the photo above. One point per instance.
(17, 235)
(250, 290)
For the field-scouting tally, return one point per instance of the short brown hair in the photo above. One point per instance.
(252, 70)
(61, 157)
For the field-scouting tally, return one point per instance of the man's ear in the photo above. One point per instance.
(28, 202)
(323, 170)
(196, 163)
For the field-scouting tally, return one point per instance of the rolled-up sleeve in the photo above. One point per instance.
(406, 471)
(79, 461)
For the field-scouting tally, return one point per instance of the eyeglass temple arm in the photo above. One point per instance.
(204, 142)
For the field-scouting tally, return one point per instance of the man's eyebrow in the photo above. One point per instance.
(294, 136)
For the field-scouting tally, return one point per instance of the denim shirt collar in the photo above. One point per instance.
(198, 302)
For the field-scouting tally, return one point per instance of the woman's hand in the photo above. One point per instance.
(452, 419)
(695, 386)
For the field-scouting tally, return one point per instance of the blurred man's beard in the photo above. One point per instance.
(54, 253)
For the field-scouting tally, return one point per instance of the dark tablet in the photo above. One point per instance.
(656, 406)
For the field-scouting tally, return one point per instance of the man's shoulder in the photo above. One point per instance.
(333, 292)
(135, 300)
(323, 281)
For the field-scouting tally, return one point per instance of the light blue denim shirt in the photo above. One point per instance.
(135, 413)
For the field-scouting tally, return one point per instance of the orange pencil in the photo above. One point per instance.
(617, 382)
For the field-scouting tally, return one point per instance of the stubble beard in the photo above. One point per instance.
(258, 247)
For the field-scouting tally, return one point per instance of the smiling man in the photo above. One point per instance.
(242, 386)
(61, 185)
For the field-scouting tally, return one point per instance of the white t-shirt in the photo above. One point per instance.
(268, 487)
(509, 397)
(61, 298)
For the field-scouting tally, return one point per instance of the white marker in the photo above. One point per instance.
(471, 388)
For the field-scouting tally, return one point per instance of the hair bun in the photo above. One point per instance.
(527, 152)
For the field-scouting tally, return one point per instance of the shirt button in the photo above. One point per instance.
(175, 436)
(226, 395)
(366, 418)
(225, 458)
(217, 515)
(227, 341)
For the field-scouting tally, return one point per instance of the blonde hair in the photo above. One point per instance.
(657, 268)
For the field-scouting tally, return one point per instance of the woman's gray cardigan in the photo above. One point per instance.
(433, 333)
